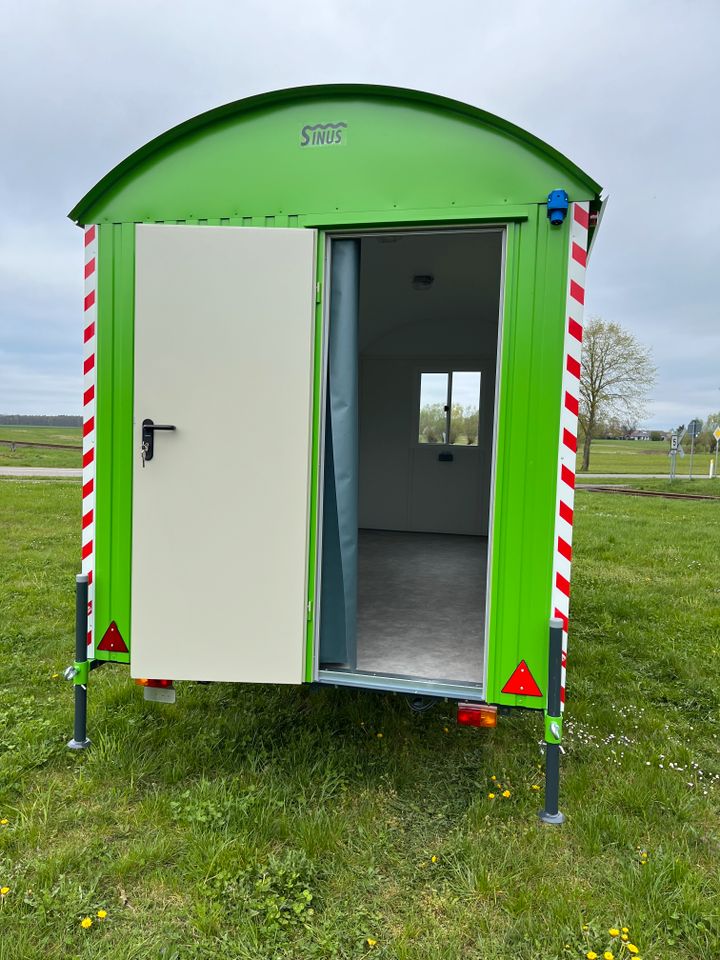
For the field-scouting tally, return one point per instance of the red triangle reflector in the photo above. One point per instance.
(522, 682)
(112, 642)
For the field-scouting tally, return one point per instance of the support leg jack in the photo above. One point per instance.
(553, 728)
(80, 670)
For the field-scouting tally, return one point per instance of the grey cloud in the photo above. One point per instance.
(628, 91)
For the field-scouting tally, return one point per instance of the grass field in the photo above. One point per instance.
(641, 456)
(257, 822)
(37, 457)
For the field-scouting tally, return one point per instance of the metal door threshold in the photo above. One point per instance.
(399, 684)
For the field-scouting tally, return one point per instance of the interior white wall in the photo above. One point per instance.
(453, 325)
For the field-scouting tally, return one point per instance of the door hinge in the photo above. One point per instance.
(318, 291)
(309, 610)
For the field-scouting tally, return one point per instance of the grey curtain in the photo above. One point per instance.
(338, 607)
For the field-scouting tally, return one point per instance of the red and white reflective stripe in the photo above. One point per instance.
(570, 397)
(88, 444)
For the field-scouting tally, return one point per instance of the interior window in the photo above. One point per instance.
(434, 389)
(464, 407)
(449, 407)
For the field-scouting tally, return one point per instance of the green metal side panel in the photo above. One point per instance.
(527, 454)
(113, 478)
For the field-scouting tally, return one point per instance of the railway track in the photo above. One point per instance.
(631, 492)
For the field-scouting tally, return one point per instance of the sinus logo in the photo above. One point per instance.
(323, 135)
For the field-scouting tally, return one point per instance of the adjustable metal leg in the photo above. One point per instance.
(553, 728)
(80, 670)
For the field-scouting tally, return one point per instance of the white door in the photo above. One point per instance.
(224, 323)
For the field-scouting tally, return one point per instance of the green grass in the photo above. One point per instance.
(641, 456)
(259, 822)
(37, 457)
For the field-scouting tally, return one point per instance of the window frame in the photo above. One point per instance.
(449, 368)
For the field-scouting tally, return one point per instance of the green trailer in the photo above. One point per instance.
(332, 356)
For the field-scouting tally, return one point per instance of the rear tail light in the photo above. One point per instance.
(161, 691)
(476, 715)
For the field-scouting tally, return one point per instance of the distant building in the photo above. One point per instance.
(639, 435)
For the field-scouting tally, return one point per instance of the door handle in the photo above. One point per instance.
(148, 438)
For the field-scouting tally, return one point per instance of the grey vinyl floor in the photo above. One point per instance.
(421, 604)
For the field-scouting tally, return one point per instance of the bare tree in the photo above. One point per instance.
(617, 375)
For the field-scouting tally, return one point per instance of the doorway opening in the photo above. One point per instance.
(413, 324)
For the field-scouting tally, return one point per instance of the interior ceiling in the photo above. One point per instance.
(464, 294)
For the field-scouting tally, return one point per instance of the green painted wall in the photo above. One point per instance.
(527, 452)
(407, 159)
(114, 419)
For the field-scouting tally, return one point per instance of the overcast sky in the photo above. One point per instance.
(629, 90)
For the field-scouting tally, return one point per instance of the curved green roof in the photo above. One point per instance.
(100, 200)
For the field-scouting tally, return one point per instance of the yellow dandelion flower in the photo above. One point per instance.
(4, 822)
(585, 927)
(591, 955)
(55, 676)
(102, 914)
(614, 932)
(624, 938)
(491, 796)
(379, 736)
(4, 891)
(534, 787)
(493, 777)
(433, 859)
(371, 942)
(446, 729)
(506, 793)
(86, 923)
(626, 930)
(632, 948)
(608, 955)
